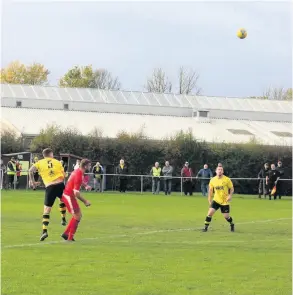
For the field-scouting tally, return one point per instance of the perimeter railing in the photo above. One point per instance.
(144, 183)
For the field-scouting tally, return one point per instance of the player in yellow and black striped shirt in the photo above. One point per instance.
(52, 173)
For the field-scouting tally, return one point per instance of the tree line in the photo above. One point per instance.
(187, 81)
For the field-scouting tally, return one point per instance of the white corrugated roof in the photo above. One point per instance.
(31, 121)
(143, 98)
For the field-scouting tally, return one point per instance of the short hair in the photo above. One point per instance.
(47, 152)
(84, 163)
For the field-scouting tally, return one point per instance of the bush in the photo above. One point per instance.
(10, 143)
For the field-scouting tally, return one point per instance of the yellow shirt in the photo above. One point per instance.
(50, 170)
(221, 187)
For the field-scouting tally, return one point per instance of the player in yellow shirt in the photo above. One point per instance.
(222, 188)
(52, 173)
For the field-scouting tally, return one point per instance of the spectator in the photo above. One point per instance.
(98, 176)
(186, 173)
(156, 173)
(77, 164)
(11, 172)
(205, 175)
(262, 186)
(2, 174)
(122, 170)
(36, 174)
(271, 180)
(18, 172)
(167, 173)
(280, 184)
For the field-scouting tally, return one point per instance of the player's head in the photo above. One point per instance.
(98, 164)
(186, 164)
(13, 159)
(85, 165)
(47, 153)
(157, 164)
(205, 166)
(280, 163)
(220, 170)
(273, 166)
(267, 165)
(78, 161)
(121, 162)
(167, 163)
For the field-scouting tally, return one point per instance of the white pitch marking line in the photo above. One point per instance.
(136, 234)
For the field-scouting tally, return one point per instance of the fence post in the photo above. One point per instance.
(141, 184)
(181, 180)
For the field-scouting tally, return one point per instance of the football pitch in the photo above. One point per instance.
(136, 244)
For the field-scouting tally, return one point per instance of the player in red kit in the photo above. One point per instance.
(70, 196)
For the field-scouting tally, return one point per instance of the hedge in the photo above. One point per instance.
(239, 160)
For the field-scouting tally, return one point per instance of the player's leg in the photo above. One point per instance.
(62, 208)
(50, 196)
(72, 207)
(213, 208)
(225, 209)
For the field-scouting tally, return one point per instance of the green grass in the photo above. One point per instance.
(147, 245)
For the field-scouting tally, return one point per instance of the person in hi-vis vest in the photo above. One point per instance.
(156, 173)
(11, 172)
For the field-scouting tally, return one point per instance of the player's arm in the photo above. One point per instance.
(211, 192)
(231, 190)
(76, 190)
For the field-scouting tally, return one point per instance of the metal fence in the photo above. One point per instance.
(143, 183)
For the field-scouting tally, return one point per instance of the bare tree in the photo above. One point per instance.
(158, 82)
(188, 81)
(279, 93)
(103, 79)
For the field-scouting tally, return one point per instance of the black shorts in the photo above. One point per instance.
(224, 208)
(52, 192)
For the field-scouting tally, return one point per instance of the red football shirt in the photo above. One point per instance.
(74, 183)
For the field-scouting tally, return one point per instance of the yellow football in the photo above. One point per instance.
(241, 33)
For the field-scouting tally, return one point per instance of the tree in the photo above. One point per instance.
(10, 142)
(158, 82)
(276, 94)
(188, 81)
(78, 76)
(103, 79)
(86, 77)
(19, 73)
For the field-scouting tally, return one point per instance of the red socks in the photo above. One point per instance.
(71, 228)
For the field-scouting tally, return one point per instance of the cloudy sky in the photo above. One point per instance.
(132, 38)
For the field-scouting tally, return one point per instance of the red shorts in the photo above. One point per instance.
(71, 204)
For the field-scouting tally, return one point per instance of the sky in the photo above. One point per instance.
(130, 39)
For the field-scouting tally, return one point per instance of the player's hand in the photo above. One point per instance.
(229, 198)
(210, 202)
(87, 203)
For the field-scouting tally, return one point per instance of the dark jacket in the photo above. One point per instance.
(122, 171)
(281, 171)
(263, 173)
(205, 173)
